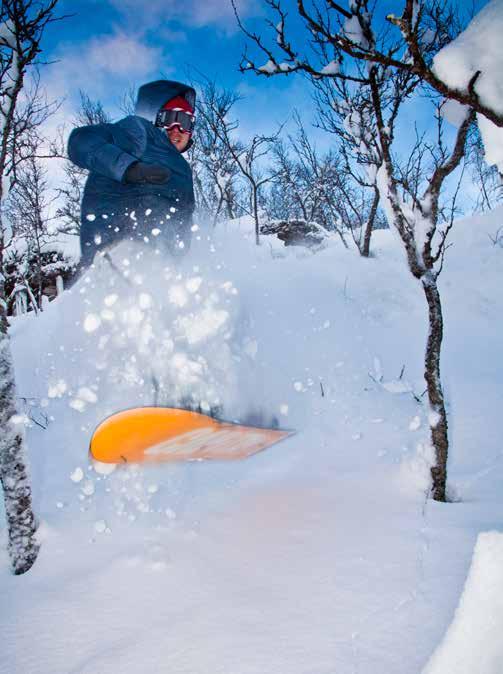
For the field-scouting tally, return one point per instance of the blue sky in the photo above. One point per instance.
(107, 46)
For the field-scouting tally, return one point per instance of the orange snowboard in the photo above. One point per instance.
(156, 434)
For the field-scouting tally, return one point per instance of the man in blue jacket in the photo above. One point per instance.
(139, 185)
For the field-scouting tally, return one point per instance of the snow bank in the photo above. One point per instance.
(479, 47)
(473, 641)
(320, 555)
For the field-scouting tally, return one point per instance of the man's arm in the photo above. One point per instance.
(108, 149)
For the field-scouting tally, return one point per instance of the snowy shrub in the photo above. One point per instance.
(297, 233)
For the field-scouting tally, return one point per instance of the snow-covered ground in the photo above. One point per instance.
(321, 555)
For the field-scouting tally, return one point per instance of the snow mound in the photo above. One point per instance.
(321, 555)
(473, 641)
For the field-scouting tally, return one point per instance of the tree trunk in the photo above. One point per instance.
(21, 523)
(255, 214)
(438, 416)
(229, 203)
(217, 213)
(365, 249)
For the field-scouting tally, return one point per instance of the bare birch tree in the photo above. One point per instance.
(215, 172)
(28, 209)
(345, 111)
(413, 206)
(310, 182)
(248, 157)
(22, 23)
(487, 178)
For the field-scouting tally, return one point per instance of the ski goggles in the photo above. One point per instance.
(169, 118)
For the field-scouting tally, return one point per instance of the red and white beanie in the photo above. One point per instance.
(178, 103)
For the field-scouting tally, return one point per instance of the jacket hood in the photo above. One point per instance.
(152, 96)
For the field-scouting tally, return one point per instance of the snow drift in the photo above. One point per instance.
(320, 555)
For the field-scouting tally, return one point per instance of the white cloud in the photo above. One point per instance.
(103, 67)
(188, 12)
(214, 11)
(121, 55)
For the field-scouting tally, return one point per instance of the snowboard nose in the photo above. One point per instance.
(158, 434)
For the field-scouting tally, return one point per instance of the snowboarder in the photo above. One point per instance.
(139, 185)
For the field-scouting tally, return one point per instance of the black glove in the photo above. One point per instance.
(140, 173)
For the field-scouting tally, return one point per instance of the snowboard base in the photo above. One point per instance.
(159, 434)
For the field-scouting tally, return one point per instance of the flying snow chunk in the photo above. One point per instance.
(193, 284)
(77, 475)
(57, 390)
(133, 316)
(283, 409)
(88, 488)
(177, 296)
(87, 395)
(229, 288)
(103, 468)
(92, 322)
(298, 386)
(100, 526)
(415, 424)
(110, 300)
(107, 315)
(91, 217)
(203, 325)
(77, 404)
(145, 301)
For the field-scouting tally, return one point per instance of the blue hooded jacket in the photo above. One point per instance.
(113, 209)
